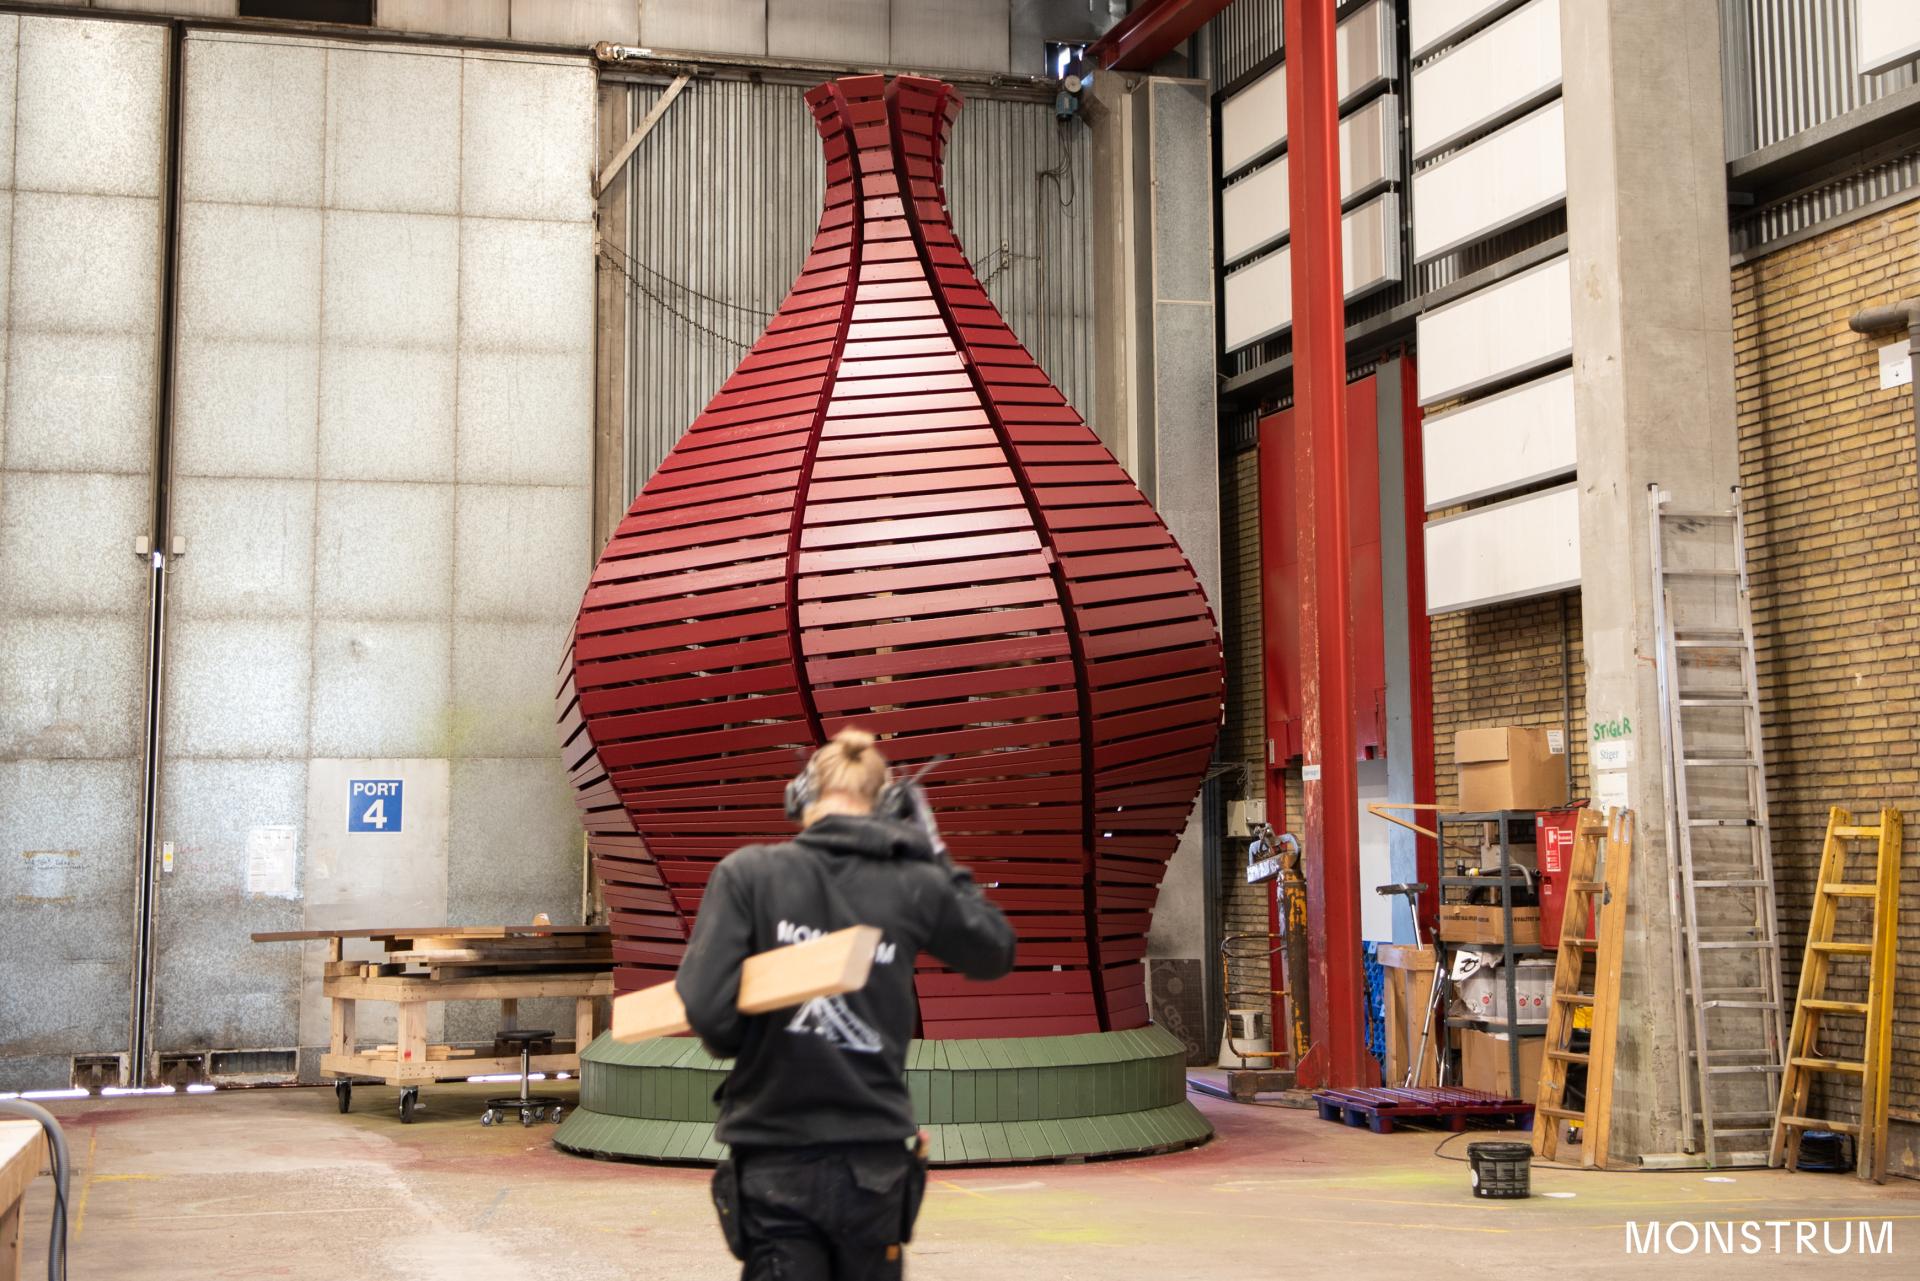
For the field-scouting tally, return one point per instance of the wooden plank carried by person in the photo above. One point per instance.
(830, 965)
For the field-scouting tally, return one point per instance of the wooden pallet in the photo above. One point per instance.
(1380, 1108)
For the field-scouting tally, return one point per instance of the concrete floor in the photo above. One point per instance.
(276, 1183)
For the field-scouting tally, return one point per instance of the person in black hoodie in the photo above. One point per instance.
(824, 1178)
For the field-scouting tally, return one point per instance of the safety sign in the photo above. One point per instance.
(374, 805)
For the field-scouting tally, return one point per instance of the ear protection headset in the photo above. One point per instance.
(897, 799)
(802, 791)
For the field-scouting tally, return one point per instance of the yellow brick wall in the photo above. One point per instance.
(1833, 510)
(1502, 665)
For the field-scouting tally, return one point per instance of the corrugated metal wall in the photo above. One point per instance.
(725, 194)
(1796, 64)
(1245, 36)
(1791, 65)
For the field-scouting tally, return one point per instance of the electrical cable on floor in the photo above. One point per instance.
(1554, 1165)
(58, 1163)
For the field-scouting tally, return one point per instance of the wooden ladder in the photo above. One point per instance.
(1811, 1007)
(1591, 879)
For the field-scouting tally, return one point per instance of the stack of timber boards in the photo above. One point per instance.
(469, 951)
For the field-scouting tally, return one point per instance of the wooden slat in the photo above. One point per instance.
(776, 980)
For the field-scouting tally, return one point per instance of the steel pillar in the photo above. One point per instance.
(1339, 1056)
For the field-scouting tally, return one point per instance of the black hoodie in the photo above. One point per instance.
(834, 1069)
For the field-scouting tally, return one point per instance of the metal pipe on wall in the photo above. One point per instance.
(1320, 399)
(140, 1021)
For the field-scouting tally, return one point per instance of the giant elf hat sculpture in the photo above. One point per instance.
(888, 517)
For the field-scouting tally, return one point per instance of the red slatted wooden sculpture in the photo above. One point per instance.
(889, 518)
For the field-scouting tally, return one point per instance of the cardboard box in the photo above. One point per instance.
(1481, 923)
(1483, 1064)
(1510, 767)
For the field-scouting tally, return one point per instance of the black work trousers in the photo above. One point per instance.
(835, 1212)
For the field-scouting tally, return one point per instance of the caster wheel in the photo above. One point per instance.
(554, 1116)
(409, 1100)
(527, 1115)
(343, 1093)
(486, 1118)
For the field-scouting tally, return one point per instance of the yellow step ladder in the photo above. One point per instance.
(1596, 879)
(1813, 1006)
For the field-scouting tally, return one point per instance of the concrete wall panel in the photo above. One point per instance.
(251, 551)
(834, 31)
(68, 688)
(528, 279)
(218, 988)
(255, 127)
(387, 413)
(518, 411)
(712, 26)
(80, 128)
(379, 688)
(65, 942)
(383, 551)
(236, 249)
(950, 33)
(527, 134)
(575, 22)
(77, 402)
(240, 688)
(246, 408)
(481, 19)
(393, 130)
(523, 552)
(84, 263)
(91, 107)
(390, 279)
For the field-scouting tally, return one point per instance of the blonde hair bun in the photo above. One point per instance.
(849, 764)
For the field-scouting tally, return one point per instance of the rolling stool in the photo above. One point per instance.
(531, 1107)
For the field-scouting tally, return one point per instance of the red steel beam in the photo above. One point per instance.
(1150, 32)
(1320, 404)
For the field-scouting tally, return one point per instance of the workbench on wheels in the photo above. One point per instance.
(429, 964)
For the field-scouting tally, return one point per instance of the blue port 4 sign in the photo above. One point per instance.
(374, 805)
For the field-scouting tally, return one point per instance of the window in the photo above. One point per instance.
(357, 13)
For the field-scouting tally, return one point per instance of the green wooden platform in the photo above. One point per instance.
(1050, 1098)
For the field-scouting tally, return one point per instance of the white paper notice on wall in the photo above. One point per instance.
(1896, 365)
(1610, 789)
(1612, 754)
(270, 859)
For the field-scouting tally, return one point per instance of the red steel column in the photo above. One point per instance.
(1320, 408)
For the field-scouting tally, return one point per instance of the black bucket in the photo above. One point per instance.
(1501, 1170)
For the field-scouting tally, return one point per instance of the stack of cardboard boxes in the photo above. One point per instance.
(1502, 768)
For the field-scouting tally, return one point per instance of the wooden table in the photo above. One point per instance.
(426, 964)
(23, 1154)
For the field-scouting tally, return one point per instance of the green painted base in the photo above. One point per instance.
(1049, 1098)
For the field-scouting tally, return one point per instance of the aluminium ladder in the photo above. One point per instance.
(1728, 994)
(1832, 892)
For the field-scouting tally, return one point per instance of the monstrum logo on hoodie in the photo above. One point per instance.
(888, 517)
